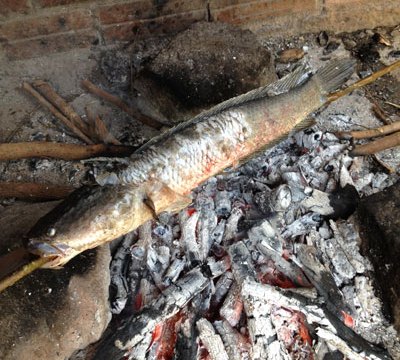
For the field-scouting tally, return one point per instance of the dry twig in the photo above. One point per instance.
(378, 145)
(33, 191)
(393, 104)
(88, 85)
(46, 90)
(366, 134)
(42, 149)
(42, 100)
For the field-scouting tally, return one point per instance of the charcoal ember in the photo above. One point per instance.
(343, 201)
(302, 225)
(211, 62)
(321, 278)
(174, 270)
(206, 224)
(241, 262)
(271, 202)
(218, 232)
(223, 203)
(136, 328)
(231, 227)
(342, 267)
(222, 287)
(378, 218)
(119, 286)
(158, 260)
(348, 237)
(201, 302)
(188, 236)
(232, 307)
(211, 340)
(318, 202)
(292, 331)
(237, 346)
(185, 347)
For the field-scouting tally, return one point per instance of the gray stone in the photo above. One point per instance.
(211, 62)
(51, 313)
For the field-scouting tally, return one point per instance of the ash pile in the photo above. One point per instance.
(258, 267)
(267, 262)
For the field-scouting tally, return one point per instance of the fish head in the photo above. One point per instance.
(49, 245)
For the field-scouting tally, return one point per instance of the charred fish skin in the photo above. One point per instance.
(165, 171)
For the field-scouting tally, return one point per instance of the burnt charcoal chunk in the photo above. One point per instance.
(344, 202)
(211, 62)
(379, 221)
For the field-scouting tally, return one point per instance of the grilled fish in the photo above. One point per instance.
(163, 172)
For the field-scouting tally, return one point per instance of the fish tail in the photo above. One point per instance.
(334, 74)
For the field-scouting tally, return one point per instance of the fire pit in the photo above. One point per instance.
(274, 258)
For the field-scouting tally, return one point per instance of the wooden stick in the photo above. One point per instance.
(393, 104)
(367, 80)
(43, 149)
(33, 191)
(47, 91)
(373, 147)
(24, 271)
(26, 86)
(14, 260)
(88, 85)
(366, 134)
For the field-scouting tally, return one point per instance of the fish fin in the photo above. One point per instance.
(334, 74)
(161, 197)
(296, 78)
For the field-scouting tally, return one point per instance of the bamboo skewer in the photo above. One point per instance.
(367, 80)
(22, 272)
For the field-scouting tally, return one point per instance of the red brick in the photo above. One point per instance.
(49, 3)
(45, 25)
(18, 6)
(151, 27)
(264, 8)
(145, 9)
(218, 4)
(25, 49)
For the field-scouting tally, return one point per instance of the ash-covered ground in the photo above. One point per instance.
(266, 262)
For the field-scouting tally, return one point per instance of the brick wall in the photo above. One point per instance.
(30, 28)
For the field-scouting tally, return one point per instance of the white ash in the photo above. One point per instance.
(271, 216)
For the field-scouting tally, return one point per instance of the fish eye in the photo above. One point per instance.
(51, 232)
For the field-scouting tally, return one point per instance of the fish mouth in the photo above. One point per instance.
(45, 249)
